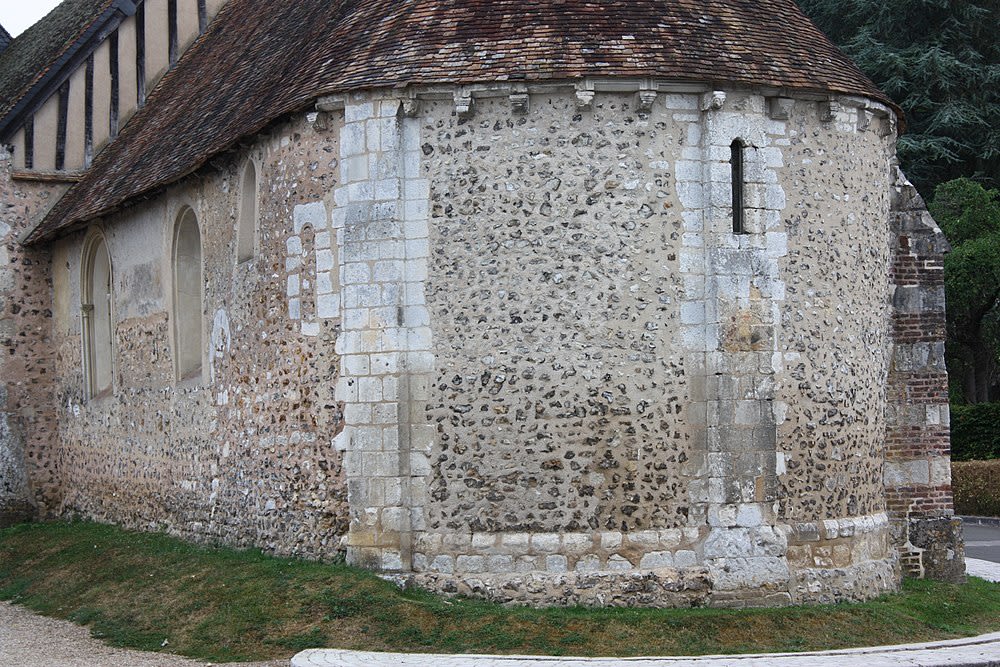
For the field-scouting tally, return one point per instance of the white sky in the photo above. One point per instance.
(18, 15)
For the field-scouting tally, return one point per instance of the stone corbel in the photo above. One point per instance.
(464, 103)
(319, 120)
(828, 111)
(584, 95)
(713, 101)
(644, 100)
(584, 100)
(330, 103)
(519, 100)
(410, 106)
(889, 127)
(864, 119)
(780, 108)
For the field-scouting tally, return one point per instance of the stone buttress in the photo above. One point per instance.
(918, 446)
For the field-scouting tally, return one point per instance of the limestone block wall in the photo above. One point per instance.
(381, 220)
(241, 453)
(29, 461)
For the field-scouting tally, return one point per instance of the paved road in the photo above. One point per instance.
(982, 542)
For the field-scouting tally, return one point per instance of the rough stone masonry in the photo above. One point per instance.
(553, 372)
(602, 333)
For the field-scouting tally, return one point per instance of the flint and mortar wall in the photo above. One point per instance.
(241, 454)
(29, 465)
(601, 394)
(508, 343)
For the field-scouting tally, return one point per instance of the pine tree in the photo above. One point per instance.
(940, 61)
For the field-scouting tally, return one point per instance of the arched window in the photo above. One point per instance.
(187, 296)
(246, 230)
(97, 325)
(736, 165)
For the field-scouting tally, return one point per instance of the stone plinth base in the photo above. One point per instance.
(936, 548)
(664, 587)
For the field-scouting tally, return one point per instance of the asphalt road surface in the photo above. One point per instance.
(982, 542)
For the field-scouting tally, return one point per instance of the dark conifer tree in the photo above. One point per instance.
(940, 60)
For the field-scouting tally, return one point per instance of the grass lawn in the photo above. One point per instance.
(137, 590)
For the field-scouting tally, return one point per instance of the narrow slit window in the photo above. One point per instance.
(736, 165)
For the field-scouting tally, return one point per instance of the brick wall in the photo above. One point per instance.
(918, 448)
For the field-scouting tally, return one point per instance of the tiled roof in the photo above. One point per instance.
(261, 59)
(5, 39)
(33, 53)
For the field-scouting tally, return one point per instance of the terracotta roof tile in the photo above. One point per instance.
(261, 59)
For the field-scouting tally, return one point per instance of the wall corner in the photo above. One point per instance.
(917, 472)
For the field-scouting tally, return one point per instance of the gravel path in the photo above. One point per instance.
(29, 640)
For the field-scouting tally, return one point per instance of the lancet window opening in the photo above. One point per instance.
(187, 301)
(97, 318)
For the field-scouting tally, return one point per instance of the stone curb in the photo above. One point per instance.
(981, 520)
(982, 651)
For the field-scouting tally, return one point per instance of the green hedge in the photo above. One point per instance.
(976, 485)
(975, 432)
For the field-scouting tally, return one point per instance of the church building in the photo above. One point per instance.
(562, 302)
